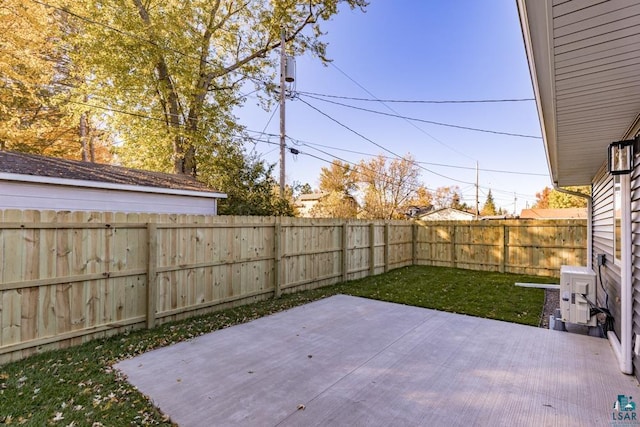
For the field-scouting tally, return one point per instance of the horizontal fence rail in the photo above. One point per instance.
(509, 246)
(68, 277)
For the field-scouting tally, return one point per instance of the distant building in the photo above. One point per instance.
(306, 202)
(447, 214)
(413, 212)
(566, 213)
(29, 181)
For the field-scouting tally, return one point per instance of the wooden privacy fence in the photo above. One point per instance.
(67, 277)
(509, 246)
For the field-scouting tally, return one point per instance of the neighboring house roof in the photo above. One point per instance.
(583, 61)
(417, 211)
(447, 214)
(306, 202)
(53, 167)
(312, 196)
(566, 213)
(29, 181)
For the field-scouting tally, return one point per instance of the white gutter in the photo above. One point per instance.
(621, 348)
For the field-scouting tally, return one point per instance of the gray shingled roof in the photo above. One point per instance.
(34, 165)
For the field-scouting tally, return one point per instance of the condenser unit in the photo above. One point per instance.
(577, 289)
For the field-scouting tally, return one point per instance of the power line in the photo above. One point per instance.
(422, 163)
(268, 121)
(115, 110)
(376, 144)
(356, 165)
(254, 139)
(396, 112)
(389, 151)
(495, 132)
(135, 36)
(400, 101)
(308, 143)
(527, 196)
(112, 28)
(470, 185)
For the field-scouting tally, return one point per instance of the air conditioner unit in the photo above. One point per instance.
(577, 285)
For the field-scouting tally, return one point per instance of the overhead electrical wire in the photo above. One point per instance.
(424, 163)
(268, 122)
(313, 95)
(396, 112)
(135, 36)
(331, 162)
(519, 135)
(312, 146)
(376, 144)
(418, 101)
(527, 196)
(254, 139)
(112, 28)
(345, 161)
(88, 20)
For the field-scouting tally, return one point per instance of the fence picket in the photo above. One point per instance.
(67, 277)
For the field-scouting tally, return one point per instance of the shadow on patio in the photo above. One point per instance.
(353, 361)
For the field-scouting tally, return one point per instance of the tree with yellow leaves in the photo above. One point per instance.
(32, 118)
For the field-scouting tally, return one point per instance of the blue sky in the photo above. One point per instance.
(419, 50)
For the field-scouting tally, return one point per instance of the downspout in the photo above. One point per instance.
(621, 348)
(626, 285)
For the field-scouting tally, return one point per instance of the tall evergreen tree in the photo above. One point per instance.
(489, 207)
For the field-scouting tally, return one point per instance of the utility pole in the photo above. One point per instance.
(283, 60)
(477, 195)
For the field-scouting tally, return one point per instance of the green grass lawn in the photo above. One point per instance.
(77, 386)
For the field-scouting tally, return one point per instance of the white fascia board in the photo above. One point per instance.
(538, 14)
(35, 179)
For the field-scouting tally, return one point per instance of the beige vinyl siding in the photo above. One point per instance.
(635, 256)
(603, 237)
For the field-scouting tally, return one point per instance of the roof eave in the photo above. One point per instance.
(541, 64)
(35, 179)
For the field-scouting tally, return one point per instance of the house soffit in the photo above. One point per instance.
(584, 58)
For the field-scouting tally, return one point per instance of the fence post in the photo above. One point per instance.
(152, 273)
(505, 248)
(372, 249)
(453, 246)
(414, 244)
(345, 241)
(386, 247)
(277, 258)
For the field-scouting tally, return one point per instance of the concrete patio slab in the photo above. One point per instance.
(347, 361)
